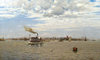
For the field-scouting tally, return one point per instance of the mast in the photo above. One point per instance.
(37, 34)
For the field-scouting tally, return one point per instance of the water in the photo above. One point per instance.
(20, 50)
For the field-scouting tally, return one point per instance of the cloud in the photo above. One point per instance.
(56, 14)
(59, 14)
(52, 24)
(10, 12)
(50, 8)
(7, 16)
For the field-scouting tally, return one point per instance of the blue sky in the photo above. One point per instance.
(76, 18)
(92, 0)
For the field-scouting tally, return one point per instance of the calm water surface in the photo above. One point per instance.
(20, 50)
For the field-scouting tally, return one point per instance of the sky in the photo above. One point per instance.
(50, 18)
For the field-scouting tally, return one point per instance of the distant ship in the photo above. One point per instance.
(33, 40)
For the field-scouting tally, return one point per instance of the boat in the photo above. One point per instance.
(35, 41)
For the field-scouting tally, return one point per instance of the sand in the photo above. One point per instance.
(54, 50)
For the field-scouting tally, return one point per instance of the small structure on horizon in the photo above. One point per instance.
(85, 39)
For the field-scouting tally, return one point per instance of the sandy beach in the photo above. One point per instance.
(53, 50)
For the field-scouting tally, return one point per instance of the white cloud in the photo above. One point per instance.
(65, 23)
(54, 7)
(57, 14)
(31, 14)
(7, 16)
(10, 12)
(50, 8)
